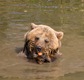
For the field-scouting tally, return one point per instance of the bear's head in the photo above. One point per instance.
(42, 40)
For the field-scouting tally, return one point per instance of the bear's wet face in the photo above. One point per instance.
(41, 54)
(42, 43)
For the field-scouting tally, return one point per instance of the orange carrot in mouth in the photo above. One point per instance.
(40, 53)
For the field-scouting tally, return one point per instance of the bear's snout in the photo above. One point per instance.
(38, 48)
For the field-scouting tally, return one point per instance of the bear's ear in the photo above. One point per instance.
(59, 35)
(33, 25)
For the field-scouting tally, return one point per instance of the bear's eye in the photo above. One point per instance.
(36, 38)
(46, 41)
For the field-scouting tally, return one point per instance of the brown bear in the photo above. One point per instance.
(42, 43)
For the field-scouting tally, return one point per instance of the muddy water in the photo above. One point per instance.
(62, 15)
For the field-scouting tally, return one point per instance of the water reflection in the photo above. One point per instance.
(63, 15)
(73, 76)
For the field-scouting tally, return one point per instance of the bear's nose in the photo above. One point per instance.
(38, 48)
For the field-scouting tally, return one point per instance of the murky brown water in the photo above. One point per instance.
(63, 15)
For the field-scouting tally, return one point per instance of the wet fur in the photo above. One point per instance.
(49, 50)
(29, 48)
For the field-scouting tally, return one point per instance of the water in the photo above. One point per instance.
(62, 15)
